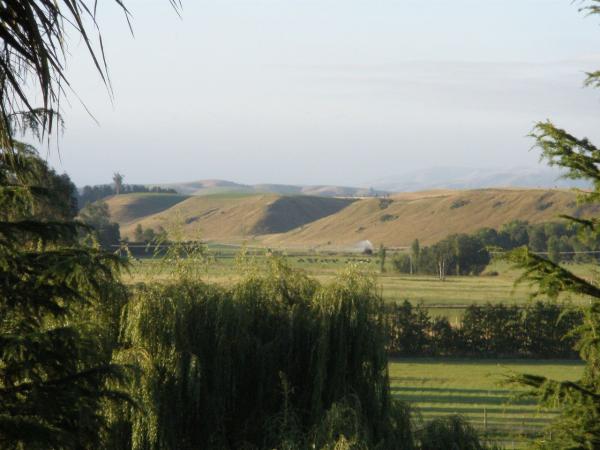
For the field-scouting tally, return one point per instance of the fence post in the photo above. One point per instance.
(485, 421)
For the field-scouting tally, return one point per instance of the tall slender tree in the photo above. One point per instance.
(118, 182)
(382, 256)
(415, 254)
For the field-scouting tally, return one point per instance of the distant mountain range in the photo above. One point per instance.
(475, 178)
(413, 181)
(211, 187)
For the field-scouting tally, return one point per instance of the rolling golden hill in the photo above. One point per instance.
(126, 208)
(231, 217)
(431, 216)
(340, 223)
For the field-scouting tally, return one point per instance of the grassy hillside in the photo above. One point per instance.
(430, 216)
(132, 207)
(287, 213)
(340, 223)
(234, 217)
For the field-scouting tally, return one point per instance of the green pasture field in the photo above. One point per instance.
(476, 390)
(446, 298)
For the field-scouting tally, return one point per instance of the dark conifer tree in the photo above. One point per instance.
(579, 424)
(57, 303)
(57, 299)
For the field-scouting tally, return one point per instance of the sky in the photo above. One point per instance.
(325, 91)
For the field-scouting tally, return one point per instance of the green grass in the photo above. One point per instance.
(447, 298)
(475, 390)
(464, 290)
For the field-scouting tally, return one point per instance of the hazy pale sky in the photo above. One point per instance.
(326, 91)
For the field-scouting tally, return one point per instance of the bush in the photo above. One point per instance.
(402, 262)
(385, 202)
(459, 203)
(450, 433)
(387, 218)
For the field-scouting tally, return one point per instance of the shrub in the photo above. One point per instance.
(402, 262)
(450, 433)
(387, 218)
(543, 205)
(385, 202)
(491, 273)
(459, 203)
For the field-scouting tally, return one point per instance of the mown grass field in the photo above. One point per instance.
(446, 298)
(475, 389)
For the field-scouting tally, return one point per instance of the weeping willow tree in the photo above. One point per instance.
(579, 400)
(275, 361)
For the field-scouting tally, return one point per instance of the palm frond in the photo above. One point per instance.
(33, 53)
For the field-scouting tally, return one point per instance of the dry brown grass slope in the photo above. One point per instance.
(307, 222)
(127, 208)
(235, 217)
(430, 216)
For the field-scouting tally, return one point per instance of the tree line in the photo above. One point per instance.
(148, 235)
(469, 254)
(558, 241)
(538, 330)
(458, 254)
(90, 194)
(88, 208)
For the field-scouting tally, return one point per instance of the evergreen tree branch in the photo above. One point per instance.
(550, 278)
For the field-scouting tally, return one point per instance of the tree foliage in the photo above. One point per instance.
(118, 182)
(90, 194)
(579, 424)
(58, 305)
(459, 254)
(485, 331)
(450, 433)
(268, 360)
(34, 36)
(104, 232)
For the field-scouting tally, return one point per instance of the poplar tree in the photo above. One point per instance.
(415, 249)
(118, 181)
